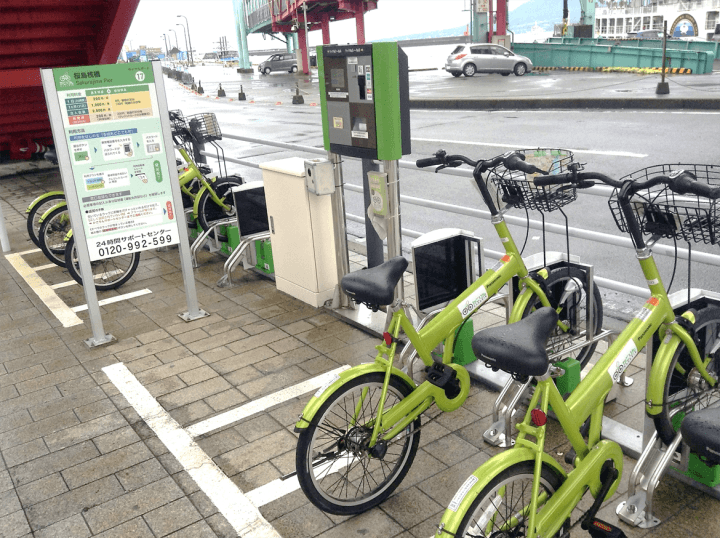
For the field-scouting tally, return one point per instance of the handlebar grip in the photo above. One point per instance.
(686, 183)
(424, 163)
(559, 179)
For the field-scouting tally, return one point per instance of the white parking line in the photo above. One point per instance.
(516, 146)
(57, 306)
(242, 515)
(116, 299)
(239, 413)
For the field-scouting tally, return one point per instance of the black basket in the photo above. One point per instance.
(178, 125)
(660, 211)
(517, 188)
(204, 127)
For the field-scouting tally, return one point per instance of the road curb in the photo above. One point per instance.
(655, 103)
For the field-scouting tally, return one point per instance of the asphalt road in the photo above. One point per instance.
(615, 142)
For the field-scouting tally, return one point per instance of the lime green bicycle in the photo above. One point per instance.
(524, 491)
(359, 434)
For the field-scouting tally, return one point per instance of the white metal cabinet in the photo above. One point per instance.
(301, 228)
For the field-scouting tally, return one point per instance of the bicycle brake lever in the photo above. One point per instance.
(440, 167)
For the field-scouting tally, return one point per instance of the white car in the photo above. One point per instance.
(486, 58)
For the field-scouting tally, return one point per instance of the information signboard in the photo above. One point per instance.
(111, 123)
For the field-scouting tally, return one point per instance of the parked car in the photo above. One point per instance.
(279, 62)
(486, 58)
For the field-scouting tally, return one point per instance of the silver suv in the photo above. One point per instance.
(279, 62)
(486, 58)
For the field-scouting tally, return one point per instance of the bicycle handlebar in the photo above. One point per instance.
(511, 160)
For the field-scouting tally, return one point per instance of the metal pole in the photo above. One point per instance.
(307, 38)
(375, 251)
(187, 58)
(342, 260)
(166, 47)
(663, 88)
(394, 237)
(176, 39)
(4, 241)
(192, 58)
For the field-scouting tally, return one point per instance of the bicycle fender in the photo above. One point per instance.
(44, 216)
(658, 372)
(196, 201)
(476, 482)
(324, 392)
(40, 198)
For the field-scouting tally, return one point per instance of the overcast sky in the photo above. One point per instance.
(211, 19)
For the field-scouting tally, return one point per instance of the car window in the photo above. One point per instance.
(275, 57)
(458, 49)
(478, 50)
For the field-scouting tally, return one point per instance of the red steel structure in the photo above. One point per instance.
(44, 34)
(287, 14)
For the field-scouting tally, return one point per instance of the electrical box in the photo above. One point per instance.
(301, 228)
(446, 262)
(365, 100)
(319, 176)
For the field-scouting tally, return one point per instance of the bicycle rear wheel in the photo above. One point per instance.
(501, 509)
(53, 230)
(683, 388)
(38, 210)
(209, 212)
(335, 468)
(108, 274)
(567, 292)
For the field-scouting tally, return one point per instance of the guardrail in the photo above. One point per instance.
(672, 44)
(612, 55)
(578, 233)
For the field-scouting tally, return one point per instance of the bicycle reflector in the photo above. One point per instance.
(538, 417)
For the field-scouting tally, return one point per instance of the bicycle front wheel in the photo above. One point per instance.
(684, 390)
(209, 212)
(336, 469)
(567, 292)
(53, 230)
(33, 217)
(502, 507)
(108, 274)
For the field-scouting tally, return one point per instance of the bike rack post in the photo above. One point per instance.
(232, 262)
(500, 432)
(200, 241)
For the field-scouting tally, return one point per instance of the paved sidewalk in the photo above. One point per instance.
(77, 460)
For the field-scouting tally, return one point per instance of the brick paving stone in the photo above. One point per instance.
(409, 505)
(191, 336)
(170, 463)
(221, 442)
(255, 477)
(258, 327)
(254, 453)
(142, 474)
(9, 502)
(186, 483)
(25, 452)
(241, 360)
(55, 462)
(74, 527)
(227, 399)
(5, 481)
(190, 413)
(258, 427)
(16, 420)
(73, 502)
(106, 465)
(135, 503)
(253, 342)
(450, 448)
(140, 365)
(288, 413)
(94, 410)
(76, 386)
(374, 523)
(147, 349)
(8, 393)
(42, 489)
(284, 505)
(290, 358)
(273, 383)
(221, 526)
(171, 517)
(84, 431)
(152, 336)
(22, 375)
(60, 363)
(202, 504)
(303, 522)
(197, 375)
(195, 392)
(168, 369)
(165, 386)
(14, 525)
(135, 528)
(197, 530)
(327, 344)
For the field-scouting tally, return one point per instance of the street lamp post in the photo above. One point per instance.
(192, 59)
(177, 46)
(186, 41)
(166, 47)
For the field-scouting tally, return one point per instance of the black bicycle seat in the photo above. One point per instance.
(701, 432)
(518, 348)
(376, 285)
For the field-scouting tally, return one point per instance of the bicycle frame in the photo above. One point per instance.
(586, 401)
(194, 173)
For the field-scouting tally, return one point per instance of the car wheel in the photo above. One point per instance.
(456, 74)
(469, 70)
(520, 69)
(293, 69)
(267, 70)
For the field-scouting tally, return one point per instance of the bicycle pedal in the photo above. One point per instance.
(602, 529)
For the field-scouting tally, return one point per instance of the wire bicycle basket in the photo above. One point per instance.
(660, 211)
(205, 127)
(517, 189)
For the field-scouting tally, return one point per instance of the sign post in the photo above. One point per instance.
(112, 136)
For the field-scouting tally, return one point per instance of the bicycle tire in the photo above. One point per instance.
(331, 428)
(517, 479)
(38, 210)
(571, 312)
(676, 382)
(108, 274)
(52, 235)
(209, 212)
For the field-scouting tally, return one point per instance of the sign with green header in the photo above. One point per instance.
(111, 123)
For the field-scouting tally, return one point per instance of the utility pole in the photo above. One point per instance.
(192, 59)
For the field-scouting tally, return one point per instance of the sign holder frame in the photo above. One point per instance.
(100, 337)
